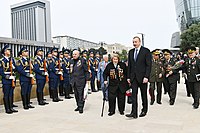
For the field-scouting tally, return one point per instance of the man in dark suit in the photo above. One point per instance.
(78, 72)
(139, 68)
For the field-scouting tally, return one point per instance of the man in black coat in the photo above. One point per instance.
(139, 68)
(78, 70)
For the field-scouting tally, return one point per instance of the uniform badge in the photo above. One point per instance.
(78, 63)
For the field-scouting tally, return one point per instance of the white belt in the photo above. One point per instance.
(27, 71)
(42, 69)
(7, 72)
(58, 69)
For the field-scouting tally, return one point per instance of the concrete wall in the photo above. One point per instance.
(17, 92)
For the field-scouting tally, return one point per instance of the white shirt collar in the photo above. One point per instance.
(138, 48)
(24, 58)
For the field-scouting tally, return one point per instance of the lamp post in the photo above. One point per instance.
(142, 38)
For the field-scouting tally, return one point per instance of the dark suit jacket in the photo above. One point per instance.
(140, 68)
(79, 71)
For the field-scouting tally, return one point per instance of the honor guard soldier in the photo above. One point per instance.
(49, 56)
(24, 67)
(61, 82)
(191, 71)
(97, 60)
(7, 65)
(41, 73)
(78, 72)
(171, 75)
(92, 68)
(89, 74)
(54, 74)
(156, 77)
(66, 75)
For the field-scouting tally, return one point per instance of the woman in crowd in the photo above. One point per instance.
(117, 85)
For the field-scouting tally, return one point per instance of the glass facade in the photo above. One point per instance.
(188, 12)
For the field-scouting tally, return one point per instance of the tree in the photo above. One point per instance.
(123, 55)
(190, 37)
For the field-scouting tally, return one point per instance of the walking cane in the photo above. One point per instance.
(104, 98)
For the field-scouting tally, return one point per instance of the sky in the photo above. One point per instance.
(110, 21)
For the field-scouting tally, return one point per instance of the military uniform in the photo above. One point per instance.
(92, 68)
(7, 80)
(54, 75)
(78, 70)
(156, 78)
(171, 79)
(48, 60)
(23, 68)
(66, 75)
(61, 82)
(117, 86)
(40, 77)
(192, 68)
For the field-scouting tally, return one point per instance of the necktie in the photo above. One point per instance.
(136, 54)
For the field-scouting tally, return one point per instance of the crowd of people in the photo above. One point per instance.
(82, 73)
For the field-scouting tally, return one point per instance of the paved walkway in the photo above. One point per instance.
(61, 118)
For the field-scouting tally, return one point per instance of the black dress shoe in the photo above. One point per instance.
(142, 114)
(131, 116)
(13, 110)
(30, 106)
(80, 111)
(159, 103)
(171, 103)
(195, 106)
(122, 113)
(111, 113)
(77, 109)
(15, 105)
(151, 103)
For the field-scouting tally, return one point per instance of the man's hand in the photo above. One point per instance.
(129, 81)
(170, 72)
(145, 80)
(105, 82)
(160, 75)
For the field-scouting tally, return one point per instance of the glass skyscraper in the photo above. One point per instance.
(188, 12)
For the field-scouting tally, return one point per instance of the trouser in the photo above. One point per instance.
(188, 91)
(158, 86)
(120, 100)
(195, 90)
(166, 88)
(61, 88)
(79, 91)
(143, 90)
(172, 89)
(66, 87)
(92, 82)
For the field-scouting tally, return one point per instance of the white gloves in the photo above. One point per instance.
(46, 73)
(31, 75)
(60, 73)
(12, 77)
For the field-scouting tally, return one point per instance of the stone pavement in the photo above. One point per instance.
(61, 118)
